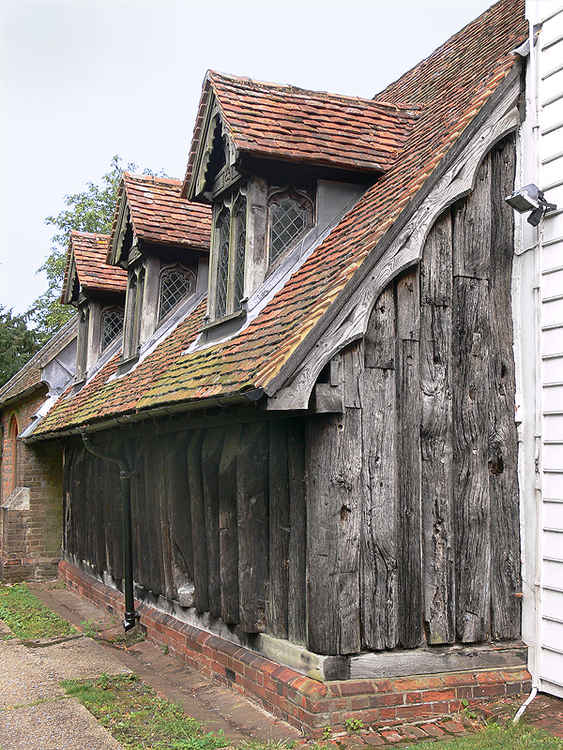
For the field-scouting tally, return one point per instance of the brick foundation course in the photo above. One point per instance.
(308, 704)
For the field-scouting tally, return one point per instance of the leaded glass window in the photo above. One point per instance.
(240, 250)
(175, 285)
(290, 216)
(222, 285)
(112, 325)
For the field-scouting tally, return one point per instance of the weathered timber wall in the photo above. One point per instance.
(391, 524)
(412, 492)
(219, 519)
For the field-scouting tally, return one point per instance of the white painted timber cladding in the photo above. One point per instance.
(549, 56)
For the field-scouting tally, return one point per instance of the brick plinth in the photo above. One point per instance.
(308, 704)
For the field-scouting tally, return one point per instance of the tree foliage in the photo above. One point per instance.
(90, 210)
(17, 343)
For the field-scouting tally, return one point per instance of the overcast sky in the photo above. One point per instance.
(85, 79)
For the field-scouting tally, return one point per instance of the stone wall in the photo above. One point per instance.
(30, 499)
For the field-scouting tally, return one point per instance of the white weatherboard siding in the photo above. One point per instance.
(549, 93)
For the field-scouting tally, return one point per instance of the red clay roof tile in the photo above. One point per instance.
(89, 251)
(159, 213)
(286, 123)
(453, 84)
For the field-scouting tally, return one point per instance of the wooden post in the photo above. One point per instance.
(408, 460)
(436, 433)
(252, 503)
(296, 605)
(378, 566)
(199, 535)
(503, 438)
(210, 456)
(228, 537)
(278, 579)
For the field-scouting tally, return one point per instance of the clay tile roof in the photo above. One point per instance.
(89, 251)
(453, 83)
(287, 123)
(159, 213)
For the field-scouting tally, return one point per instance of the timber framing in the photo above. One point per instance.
(401, 248)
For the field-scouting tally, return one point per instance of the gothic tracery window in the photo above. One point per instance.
(240, 250)
(290, 215)
(222, 284)
(175, 285)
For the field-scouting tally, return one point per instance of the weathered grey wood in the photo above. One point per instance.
(408, 306)
(327, 399)
(162, 475)
(199, 535)
(503, 438)
(333, 477)
(472, 227)
(471, 477)
(228, 539)
(353, 360)
(179, 512)
(152, 525)
(210, 457)
(279, 529)
(378, 558)
(252, 489)
(436, 434)
(410, 602)
(296, 605)
(430, 661)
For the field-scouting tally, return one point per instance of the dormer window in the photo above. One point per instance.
(290, 214)
(134, 308)
(230, 255)
(175, 285)
(112, 325)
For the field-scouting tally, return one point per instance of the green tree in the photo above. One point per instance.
(17, 343)
(88, 211)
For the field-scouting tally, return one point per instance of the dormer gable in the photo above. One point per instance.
(278, 163)
(162, 241)
(97, 290)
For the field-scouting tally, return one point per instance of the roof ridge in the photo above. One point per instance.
(152, 178)
(96, 235)
(301, 91)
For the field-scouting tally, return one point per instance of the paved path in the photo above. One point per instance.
(205, 700)
(34, 711)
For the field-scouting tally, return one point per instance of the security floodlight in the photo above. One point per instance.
(530, 198)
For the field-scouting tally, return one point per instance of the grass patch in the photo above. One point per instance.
(27, 617)
(138, 718)
(497, 737)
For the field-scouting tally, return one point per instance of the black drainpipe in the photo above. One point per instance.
(125, 473)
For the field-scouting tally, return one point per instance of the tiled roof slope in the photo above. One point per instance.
(89, 251)
(455, 84)
(287, 123)
(30, 374)
(159, 213)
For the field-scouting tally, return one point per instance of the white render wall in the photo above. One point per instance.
(544, 140)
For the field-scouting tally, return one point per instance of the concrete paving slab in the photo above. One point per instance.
(77, 659)
(21, 678)
(61, 724)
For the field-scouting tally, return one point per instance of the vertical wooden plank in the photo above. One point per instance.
(278, 579)
(228, 538)
(162, 449)
(408, 460)
(210, 456)
(155, 571)
(436, 433)
(179, 511)
(378, 558)
(333, 481)
(297, 596)
(138, 517)
(199, 535)
(472, 231)
(471, 476)
(503, 438)
(252, 504)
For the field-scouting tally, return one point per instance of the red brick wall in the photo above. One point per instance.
(30, 540)
(305, 703)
